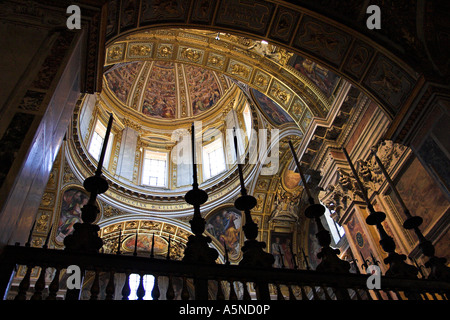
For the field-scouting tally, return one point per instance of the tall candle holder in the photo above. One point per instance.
(330, 262)
(397, 265)
(439, 270)
(197, 248)
(253, 253)
(85, 236)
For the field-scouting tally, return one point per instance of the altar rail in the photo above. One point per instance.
(195, 281)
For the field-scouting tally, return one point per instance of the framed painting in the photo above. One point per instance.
(282, 251)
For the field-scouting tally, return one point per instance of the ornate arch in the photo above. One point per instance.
(366, 64)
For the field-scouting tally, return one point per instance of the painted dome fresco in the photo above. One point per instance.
(165, 89)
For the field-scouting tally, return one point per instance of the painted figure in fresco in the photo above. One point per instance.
(72, 202)
(282, 251)
(323, 78)
(121, 78)
(288, 255)
(203, 88)
(277, 252)
(271, 109)
(230, 236)
(225, 226)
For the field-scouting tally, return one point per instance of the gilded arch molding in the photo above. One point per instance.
(230, 56)
(369, 66)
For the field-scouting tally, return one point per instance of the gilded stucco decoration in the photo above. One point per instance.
(250, 61)
(294, 28)
(141, 234)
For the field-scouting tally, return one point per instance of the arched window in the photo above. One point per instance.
(155, 168)
(148, 282)
(96, 144)
(213, 159)
(247, 120)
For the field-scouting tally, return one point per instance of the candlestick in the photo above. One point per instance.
(374, 260)
(354, 262)
(391, 183)
(45, 246)
(397, 265)
(412, 222)
(306, 259)
(168, 250)
(152, 255)
(439, 270)
(119, 242)
(85, 237)
(197, 248)
(194, 166)
(305, 186)
(28, 243)
(105, 144)
(293, 256)
(364, 260)
(253, 253)
(227, 260)
(241, 175)
(135, 244)
(374, 217)
(329, 256)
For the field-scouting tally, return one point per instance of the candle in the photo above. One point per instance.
(194, 167)
(135, 244)
(355, 174)
(294, 154)
(364, 264)
(241, 175)
(105, 143)
(391, 184)
(152, 255)
(168, 250)
(306, 259)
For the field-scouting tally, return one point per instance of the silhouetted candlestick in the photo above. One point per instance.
(354, 262)
(397, 265)
(168, 250)
(374, 260)
(306, 260)
(294, 154)
(241, 174)
(45, 246)
(85, 237)
(105, 144)
(135, 244)
(197, 248)
(253, 253)
(227, 260)
(194, 166)
(152, 251)
(418, 268)
(294, 256)
(119, 242)
(330, 261)
(439, 271)
(364, 264)
(28, 243)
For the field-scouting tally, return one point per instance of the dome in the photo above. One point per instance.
(165, 90)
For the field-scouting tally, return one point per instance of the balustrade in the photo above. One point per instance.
(176, 280)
